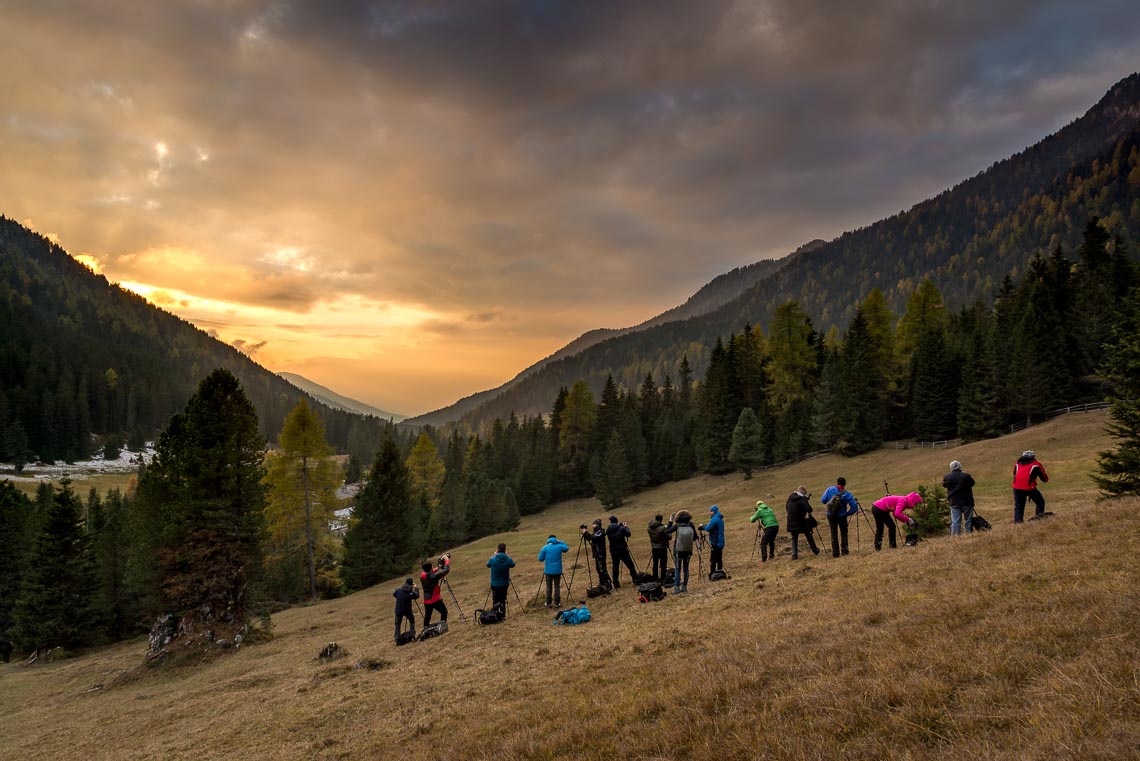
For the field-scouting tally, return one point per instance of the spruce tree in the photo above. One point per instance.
(15, 518)
(385, 535)
(202, 506)
(54, 608)
(614, 482)
(111, 548)
(1118, 470)
(934, 387)
(747, 451)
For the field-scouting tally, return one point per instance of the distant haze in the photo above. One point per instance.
(408, 202)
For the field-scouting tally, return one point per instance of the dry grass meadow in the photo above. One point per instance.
(1021, 643)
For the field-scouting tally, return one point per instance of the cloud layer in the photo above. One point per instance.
(411, 201)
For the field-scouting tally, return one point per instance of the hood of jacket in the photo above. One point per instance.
(914, 498)
(1023, 460)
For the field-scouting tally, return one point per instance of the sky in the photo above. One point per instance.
(409, 202)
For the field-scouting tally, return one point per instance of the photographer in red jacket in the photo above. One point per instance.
(1025, 474)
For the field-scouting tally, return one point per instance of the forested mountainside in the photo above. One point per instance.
(717, 292)
(81, 356)
(965, 240)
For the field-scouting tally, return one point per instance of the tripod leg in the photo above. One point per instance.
(455, 600)
(568, 592)
(522, 608)
(574, 568)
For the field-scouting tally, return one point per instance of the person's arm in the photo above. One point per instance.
(415, 593)
(489, 561)
(755, 516)
(970, 482)
(1043, 475)
(510, 562)
(542, 553)
(627, 533)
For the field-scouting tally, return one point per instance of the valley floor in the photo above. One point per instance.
(1020, 643)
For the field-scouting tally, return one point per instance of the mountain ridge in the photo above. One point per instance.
(336, 401)
(966, 239)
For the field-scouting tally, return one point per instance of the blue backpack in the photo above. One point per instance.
(573, 616)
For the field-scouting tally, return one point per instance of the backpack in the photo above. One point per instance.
(719, 574)
(685, 536)
(573, 616)
(496, 615)
(433, 630)
(406, 637)
(911, 540)
(978, 523)
(650, 592)
(835, 505)
(596, 591)
(644, 578)
(670, 576)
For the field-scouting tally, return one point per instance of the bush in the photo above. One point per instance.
(933, 513)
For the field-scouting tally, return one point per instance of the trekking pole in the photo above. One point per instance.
(455, 600)
(574, 568)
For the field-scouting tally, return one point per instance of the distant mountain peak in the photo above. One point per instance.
(330, 398)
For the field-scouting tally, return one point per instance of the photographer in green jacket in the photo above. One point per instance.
(771, 526)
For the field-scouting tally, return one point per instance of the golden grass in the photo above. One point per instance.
(1021, 643)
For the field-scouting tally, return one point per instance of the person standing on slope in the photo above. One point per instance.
(404, 596)
(892, 508)
(1025, 474)
(681, 524)
(799, 511)
(596, 538)
(500, 564)
(659, 545)
(618, 533)
(551, 557)
(432, 582)
(839, 504)
(715, 527)
(771, 527)
(959, 487)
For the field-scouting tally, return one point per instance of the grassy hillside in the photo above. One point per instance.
(1019, 643)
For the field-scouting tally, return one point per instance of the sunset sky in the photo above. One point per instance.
(410, 202)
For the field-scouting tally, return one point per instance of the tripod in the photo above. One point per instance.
(700, 554)
(574, 568)
(756, 540)
(455, 600)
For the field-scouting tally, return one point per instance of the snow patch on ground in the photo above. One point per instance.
(126, 462)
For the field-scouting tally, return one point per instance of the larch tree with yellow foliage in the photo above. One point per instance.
(302, 479)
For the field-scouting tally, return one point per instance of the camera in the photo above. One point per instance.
(582, 527)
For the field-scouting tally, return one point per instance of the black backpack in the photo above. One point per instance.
(718, 575)
(405, 637)
(644, 578)
(670, 576)
(496, 615)
(596, 591)
(978, 523)
(651, 591)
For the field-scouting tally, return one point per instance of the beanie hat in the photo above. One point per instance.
(597, 521)
(613, 519)
(955, 465)
(657, 517)
(408, 580)
(1028, 453)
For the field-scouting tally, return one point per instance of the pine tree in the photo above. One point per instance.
(54, 608)
(793, 359)
(385, 535)
(109, 521)
(614, 481)
(354, 470)
(1119, 468)
(934, 387)
(302, 480)
(15, 519)
(202, 505)
(577, 427)
(747, 450)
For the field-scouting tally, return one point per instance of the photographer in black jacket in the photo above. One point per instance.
(618, 533)
(596, 538)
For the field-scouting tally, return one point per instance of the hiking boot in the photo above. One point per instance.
(878, 546)
(844, 550)
(676, 590)
(815, 550)
(684, 587)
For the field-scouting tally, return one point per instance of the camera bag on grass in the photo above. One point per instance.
(650, 592)
(978, 523)
(718, 575)
(496, 615)
(434, 630)
(596, 591)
